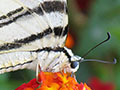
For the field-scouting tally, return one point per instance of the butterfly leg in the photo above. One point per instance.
(38, 70)
(62, 73)
(73, 75)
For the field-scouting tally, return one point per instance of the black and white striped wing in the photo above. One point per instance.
(27, 25)
(32, 24)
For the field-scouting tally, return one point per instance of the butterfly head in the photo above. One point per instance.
(74, 64)
(74, 60)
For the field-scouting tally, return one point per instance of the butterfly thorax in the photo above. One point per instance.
(49, 59)
(55, 59)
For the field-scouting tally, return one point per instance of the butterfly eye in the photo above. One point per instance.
(74, 64)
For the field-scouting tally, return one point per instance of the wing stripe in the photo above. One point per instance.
(58, 31)
(17, 65)
(48, 49)
(57, 49)
(34, 37)
(19, 15)
(47, 6)
(52, 6)
(19, 43)
(12, 13)
(65, 31)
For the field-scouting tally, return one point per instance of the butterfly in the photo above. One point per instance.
(32, 33)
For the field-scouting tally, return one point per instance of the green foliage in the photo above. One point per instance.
(11, 80)
(103, 17)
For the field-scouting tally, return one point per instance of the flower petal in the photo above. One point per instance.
(54, 81)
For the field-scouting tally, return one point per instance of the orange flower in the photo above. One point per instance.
(53, 81)
(69, 41)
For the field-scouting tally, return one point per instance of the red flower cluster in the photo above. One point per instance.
(96, 84)
(53, 81)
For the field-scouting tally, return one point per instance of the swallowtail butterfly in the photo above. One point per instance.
(33, 32)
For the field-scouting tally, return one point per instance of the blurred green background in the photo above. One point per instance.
(89, 21)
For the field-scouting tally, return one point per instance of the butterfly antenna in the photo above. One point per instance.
(108, 38)
(84, 60)
(101, 61)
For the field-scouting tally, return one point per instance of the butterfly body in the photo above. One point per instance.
(49, 59)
